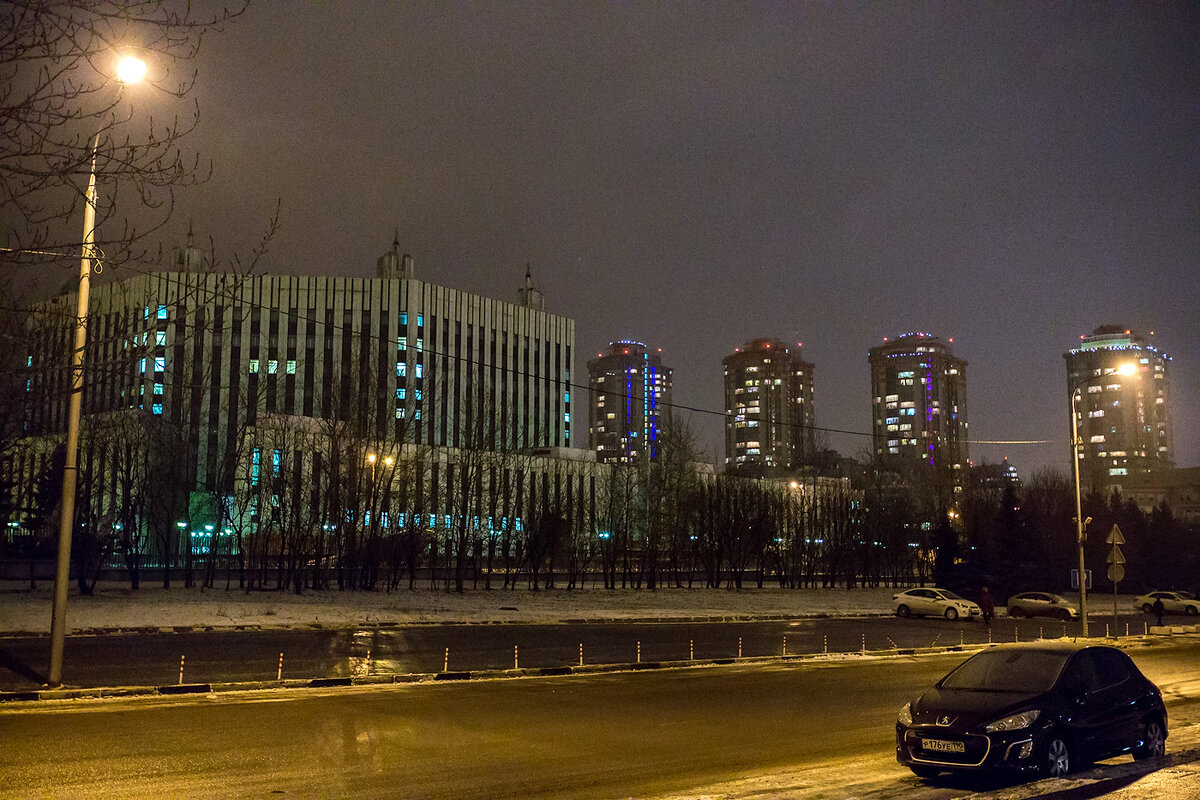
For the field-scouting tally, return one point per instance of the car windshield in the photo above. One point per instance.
(1007, 671)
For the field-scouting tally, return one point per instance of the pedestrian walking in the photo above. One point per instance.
(1159, 609)
(987, 605)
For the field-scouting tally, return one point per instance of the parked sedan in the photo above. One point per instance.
(925, 602)
(1041, 604)
(1173, 602)
(1044, 707)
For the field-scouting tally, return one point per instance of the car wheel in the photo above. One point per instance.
(951, 614)
(925, 772)
(1147, 608)
(903, 611)
(1192, 610)
(1056, 757)
(1064, 615)
(1154, 741)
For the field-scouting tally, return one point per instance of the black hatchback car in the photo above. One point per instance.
(1045, 707)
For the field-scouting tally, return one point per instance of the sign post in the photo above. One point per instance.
(1116, 566)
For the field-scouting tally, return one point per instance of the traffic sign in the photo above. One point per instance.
(1087, 577)
(1115, 556)
(1116, 573)
(1114, 536)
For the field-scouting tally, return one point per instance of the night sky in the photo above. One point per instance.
(1009, 175)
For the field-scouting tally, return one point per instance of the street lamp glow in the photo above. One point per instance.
(1126, 369)
(131, 69)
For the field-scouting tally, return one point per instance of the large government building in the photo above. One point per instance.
(227, 366)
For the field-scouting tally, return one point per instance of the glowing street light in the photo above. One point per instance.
(1126, 369)
(128, 70)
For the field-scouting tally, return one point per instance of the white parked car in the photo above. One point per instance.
(1041, 604)
(1173, 602)
(931, 602)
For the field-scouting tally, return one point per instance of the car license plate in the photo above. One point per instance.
(943, 746)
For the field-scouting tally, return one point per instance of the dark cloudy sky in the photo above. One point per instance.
(1009, 175)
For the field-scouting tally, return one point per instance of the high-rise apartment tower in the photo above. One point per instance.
(919, 404)
(768, 407)
(630, 390)
(1124, 421)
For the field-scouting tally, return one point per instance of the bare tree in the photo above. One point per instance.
(63, 116)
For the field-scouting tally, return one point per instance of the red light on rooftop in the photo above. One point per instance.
(885, 338)
(1126, 332)
(951, 339)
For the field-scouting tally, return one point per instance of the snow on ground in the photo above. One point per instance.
(115, 605)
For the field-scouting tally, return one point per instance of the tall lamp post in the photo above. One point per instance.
(1124, 369)
(129, 70)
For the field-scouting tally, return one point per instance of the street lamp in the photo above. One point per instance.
(1124, 369)
(128, 70)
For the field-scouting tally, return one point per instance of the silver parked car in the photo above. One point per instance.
(933, 602)
(1041, 604)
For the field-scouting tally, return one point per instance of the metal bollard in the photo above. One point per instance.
(739, 647)
(279, 674)
(989, 634)
(785, 645)
(581, 654)
(825, 647)
(516, 661)
(691, 649)
(1126, 628)
(1016, 634)
(639, 652)
(864, 643)
(961, 640)
(1041, 633)
(368, 661)
(181, 658)
(446, 662)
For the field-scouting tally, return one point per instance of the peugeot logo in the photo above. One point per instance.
(943, 720)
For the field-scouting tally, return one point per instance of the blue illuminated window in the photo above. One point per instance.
(162, 312)
(400, 393)
(401, 369)
(160, 338)
(156, 408)
(160, 363)
(418, 370)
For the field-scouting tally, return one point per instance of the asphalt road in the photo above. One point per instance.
(144, 659)
(827, 724)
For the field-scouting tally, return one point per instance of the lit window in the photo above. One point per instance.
(291, 367)
(156, 408)
(160, 363)
(400, 393)
(142, 365)
(272, 366)
(1098, 438)
(401, 369)
(162, 312)
(399, 413)
(160, 338)
(254, 365)
(158, 388)
(419, 370)
(402, 342)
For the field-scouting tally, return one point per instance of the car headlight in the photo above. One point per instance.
(905, 717)
(1015, 722)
